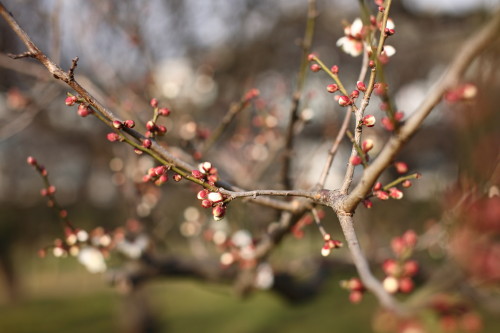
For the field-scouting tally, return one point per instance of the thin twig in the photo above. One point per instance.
(294, 112)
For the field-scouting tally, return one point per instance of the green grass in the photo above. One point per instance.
(60, 296)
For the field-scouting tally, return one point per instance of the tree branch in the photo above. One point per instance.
(471, 49)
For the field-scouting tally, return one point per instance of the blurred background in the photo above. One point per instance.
(197, 57)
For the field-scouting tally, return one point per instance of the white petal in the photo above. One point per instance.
(356, 27)
(390, 24)
(389, 50)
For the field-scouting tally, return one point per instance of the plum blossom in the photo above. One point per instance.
(92, 259)
(352, 42)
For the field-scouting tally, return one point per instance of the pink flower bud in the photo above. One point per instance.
(371, 64)
(367, 203)
(344, 100)
(164, 112)
(251, 94)
(387, 123)
(391, 267)
(112, 137)
(398, 246)
(410, 268)
(395, 193)
(197, 174)
(83, 110)
(31, 160)
(161, 129)
(399, 115)
(160, 170)
(51, 190)
(315, 67)
(369, 120)
(218, 212)
(335, 69)
(377, 186)
(331, 88)
(146, 178)
(154, 102)
(410, 237)
(401, 167)
(367, 145)
(356, 160)
(161, 180)
(147, 143)
(406, 285)
(355, 94)
(129, 123)
(361, 86)
(311, 57)
(382, 195)
(355, 297)
(406, 183)
(355, 284)
(70, 100)
(389, 32)
(117, 124)
(202, 194)
(150, 125)
(177, 177)
(205, 203)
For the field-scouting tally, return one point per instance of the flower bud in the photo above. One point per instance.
(406, 183)
(390, 284)
(218, 212)
(129, 123)
(344, 100)
(164, 112)
(401, 167)
(147, 143)
(355, 94)
(377, 186)
(361, 86)
(154, 102)
(215, 197)
(387, 123)
(70, 100)
(325, 250)
(335, 69)
(367, 203)
(83, 110)
(197, 174)
(369, 120)
(150, 125)
(395, 193)
(112, 137)
(202, 194)
(331, 88)
(382, 195)
(31, 160)
(315, 67)
(355, 297)
(356, 160)
(410, 268)
(205, 203)
(177, 177)
(406, 285)
(367, 145)
(117, 124)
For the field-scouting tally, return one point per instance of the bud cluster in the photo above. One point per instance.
(158, 175)
(356, 289)
(83, 109)
(401, 270)
(329, 244)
